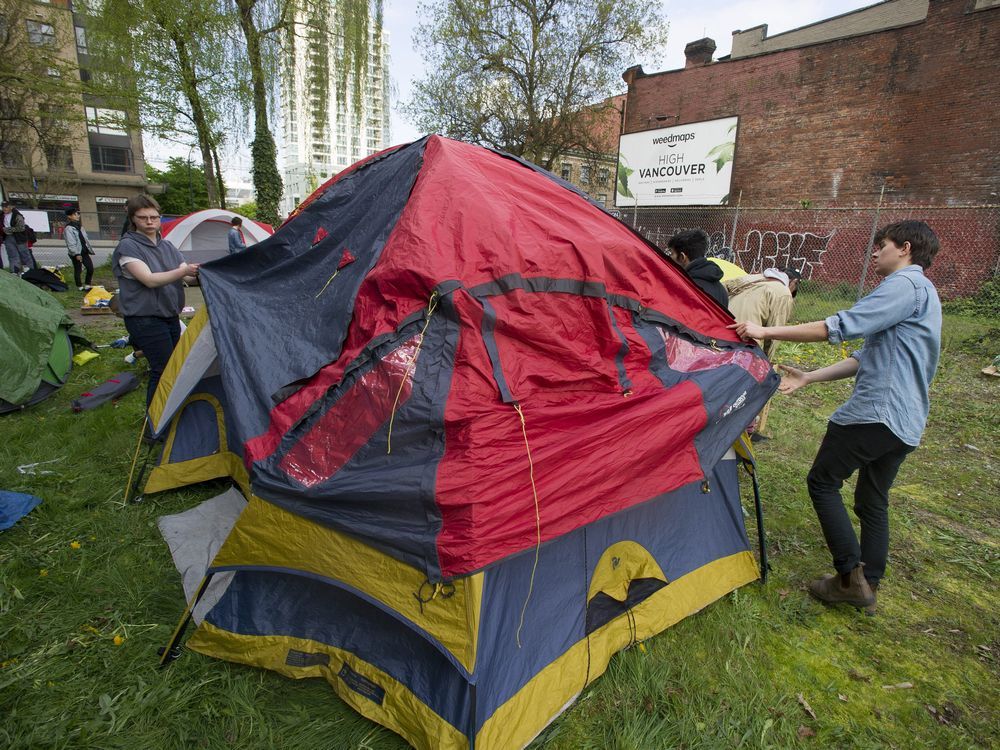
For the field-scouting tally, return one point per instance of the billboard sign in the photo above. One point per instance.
(686, 165)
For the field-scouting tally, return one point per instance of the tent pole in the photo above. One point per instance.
(133, 487)
(173, 648)
(761, 538)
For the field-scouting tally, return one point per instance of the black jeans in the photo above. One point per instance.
(156, 337)
(876, 454)
(79, 265)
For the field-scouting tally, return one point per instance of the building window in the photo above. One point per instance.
(603, 198)
(81, 40)
(59, 157)
(585, 174)
(603, 175)
(12, 155)
(41, 34)
(106, 121)
(110, 217)
(111, 159)
(567, 171)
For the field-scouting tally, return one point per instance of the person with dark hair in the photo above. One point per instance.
(237, 243)
(151, 273)
(78, 247)
(688, 249)
(15, 239)
(883, 420)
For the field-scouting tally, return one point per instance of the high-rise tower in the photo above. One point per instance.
(324, 127)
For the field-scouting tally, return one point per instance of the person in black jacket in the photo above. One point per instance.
(688, 249)
(15, 239)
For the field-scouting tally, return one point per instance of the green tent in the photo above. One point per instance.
(36, 343)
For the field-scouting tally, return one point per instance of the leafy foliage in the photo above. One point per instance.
(249, 210)
(624, 172)
(985, 302)
(723, 153)
(528, 76)
(185, 183)
(178, 74)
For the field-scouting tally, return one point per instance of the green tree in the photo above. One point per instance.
(178, 71)
(185, 186)
(248, 210)
(529, 76)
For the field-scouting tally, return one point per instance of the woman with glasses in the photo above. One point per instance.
(151, 273)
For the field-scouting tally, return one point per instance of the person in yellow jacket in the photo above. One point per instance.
(765, 299)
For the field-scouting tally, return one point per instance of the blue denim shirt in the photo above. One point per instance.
(900, 322)
(235, 241)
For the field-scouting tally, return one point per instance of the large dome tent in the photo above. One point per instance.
(484, 430)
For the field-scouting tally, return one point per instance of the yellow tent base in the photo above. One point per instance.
(516, 723)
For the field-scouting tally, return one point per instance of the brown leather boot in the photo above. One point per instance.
(847, 588)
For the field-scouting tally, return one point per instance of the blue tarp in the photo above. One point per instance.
(14, 506)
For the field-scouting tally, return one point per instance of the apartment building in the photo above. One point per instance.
(595, 173)
(78, 150)
(324, 129)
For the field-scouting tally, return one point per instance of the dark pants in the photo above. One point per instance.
(156, 337)
(18, 254)
(876, 454)
(79, 265)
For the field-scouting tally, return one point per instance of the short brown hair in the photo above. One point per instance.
(924, 243)
(135, 203)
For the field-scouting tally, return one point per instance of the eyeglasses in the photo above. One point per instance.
(146, 218)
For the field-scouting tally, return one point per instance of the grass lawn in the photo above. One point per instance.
(88, 593)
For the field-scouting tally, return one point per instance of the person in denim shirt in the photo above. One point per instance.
(237, 243)
(883, 420)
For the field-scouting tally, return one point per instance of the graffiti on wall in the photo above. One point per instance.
(802, 251)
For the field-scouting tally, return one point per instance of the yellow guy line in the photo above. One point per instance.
(538, 522)
(327, 284)
(431, 307)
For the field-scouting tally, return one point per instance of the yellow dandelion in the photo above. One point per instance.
(75, 545)
(119, 640)
(43, 572)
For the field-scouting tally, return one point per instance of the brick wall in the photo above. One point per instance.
(827, 123)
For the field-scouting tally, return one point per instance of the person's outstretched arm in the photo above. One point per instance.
(815, 331)
(792, 379)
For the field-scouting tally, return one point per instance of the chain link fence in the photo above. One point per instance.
(831, 247)
(104, 229)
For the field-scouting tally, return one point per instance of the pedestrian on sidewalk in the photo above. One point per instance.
(78, 247)
(15, 239)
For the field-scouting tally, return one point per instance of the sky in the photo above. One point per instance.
(688, 20)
